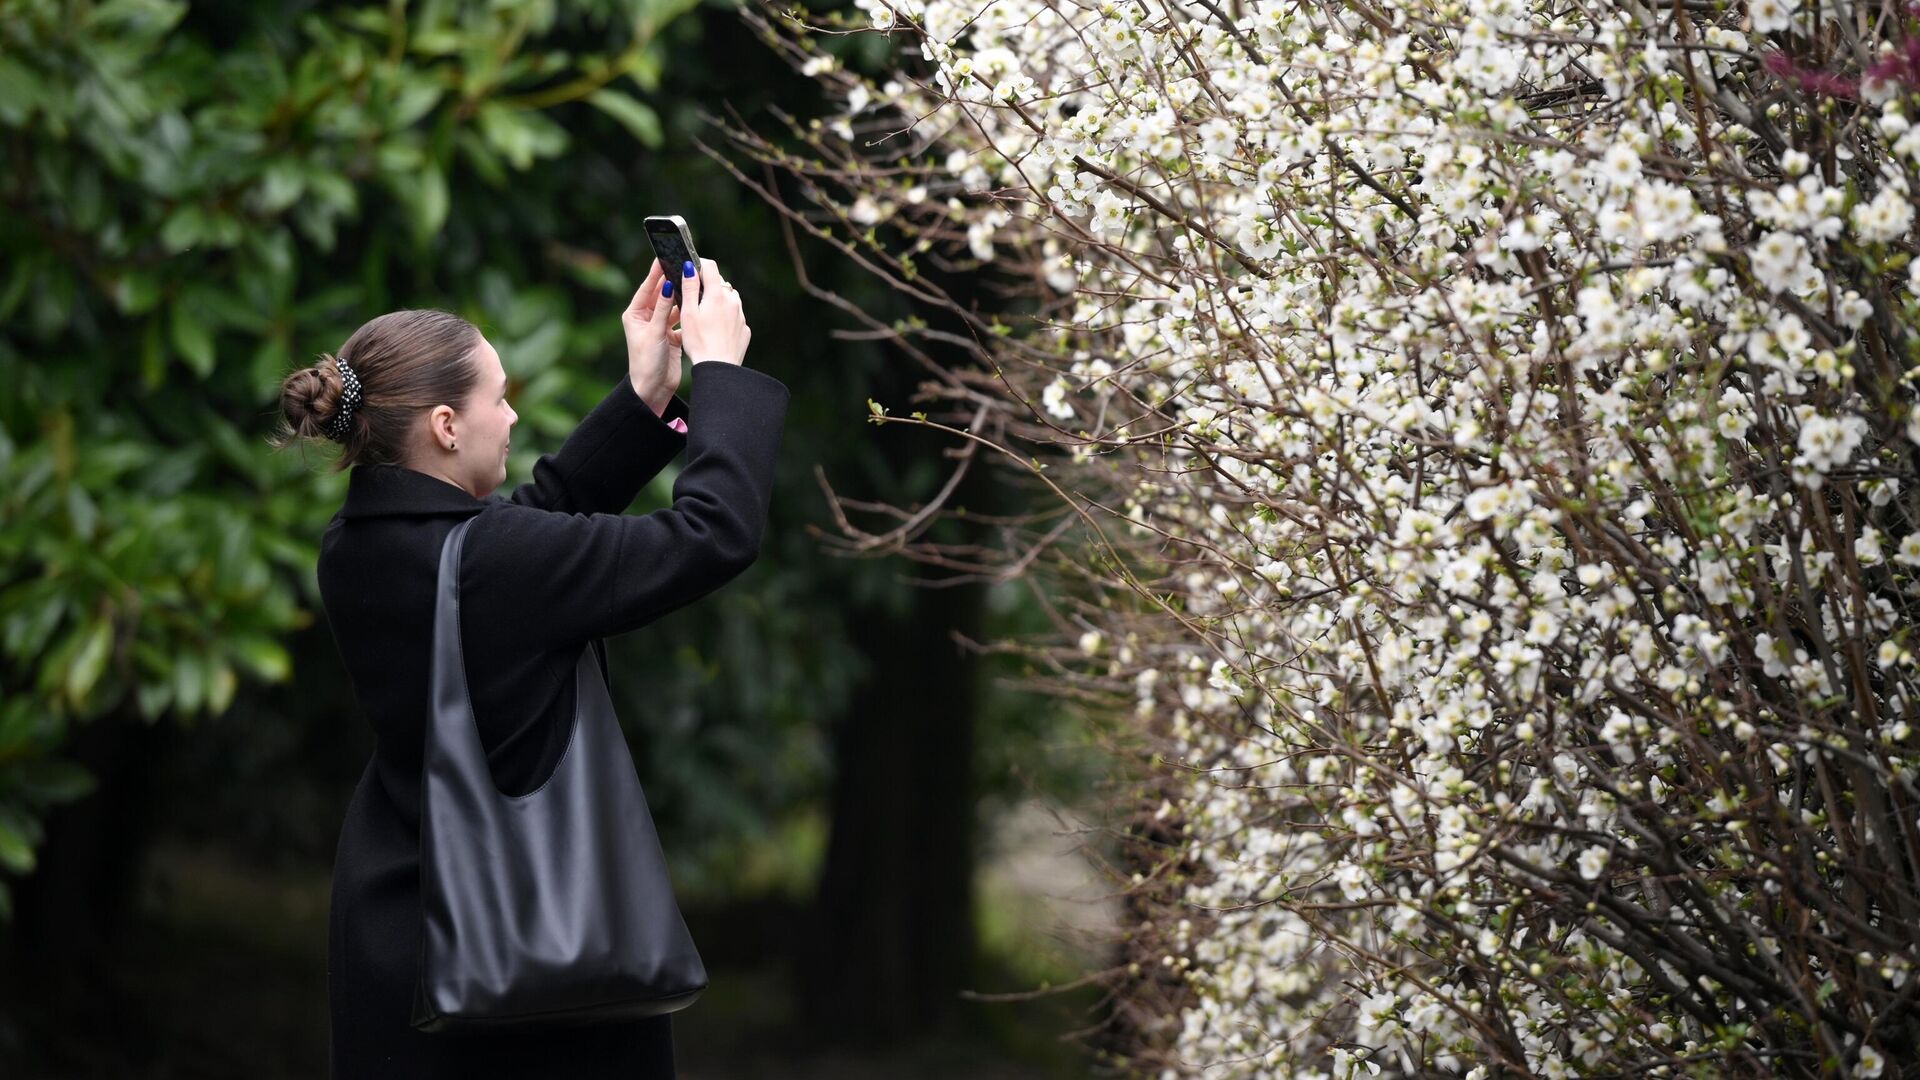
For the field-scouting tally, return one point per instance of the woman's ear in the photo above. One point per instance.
(440, 425)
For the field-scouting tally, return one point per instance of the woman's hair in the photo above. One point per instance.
(407, 361)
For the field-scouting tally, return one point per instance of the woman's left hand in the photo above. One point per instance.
(653, 344)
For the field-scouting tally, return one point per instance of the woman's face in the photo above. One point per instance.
(485, 427)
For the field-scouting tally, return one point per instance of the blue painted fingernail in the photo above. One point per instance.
(689, 272)
(666, 288)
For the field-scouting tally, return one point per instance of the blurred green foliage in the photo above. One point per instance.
(197, 200)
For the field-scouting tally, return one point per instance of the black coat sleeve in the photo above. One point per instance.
(552, 579)
(611, 455)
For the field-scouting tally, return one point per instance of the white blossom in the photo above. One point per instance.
(1495, 404)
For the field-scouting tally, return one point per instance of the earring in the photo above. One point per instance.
(453, 446)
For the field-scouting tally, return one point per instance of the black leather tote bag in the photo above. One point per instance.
(548, 909)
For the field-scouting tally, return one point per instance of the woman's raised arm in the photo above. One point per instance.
(612, 454)
(560, 579)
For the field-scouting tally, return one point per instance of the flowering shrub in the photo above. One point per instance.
(1510, 406)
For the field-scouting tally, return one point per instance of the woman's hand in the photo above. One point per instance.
(653, 346)
(715, 328)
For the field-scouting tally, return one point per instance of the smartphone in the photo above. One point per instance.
(673, 246)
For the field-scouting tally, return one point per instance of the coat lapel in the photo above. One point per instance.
(374, 490)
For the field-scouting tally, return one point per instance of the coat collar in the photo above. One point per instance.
(395, 489)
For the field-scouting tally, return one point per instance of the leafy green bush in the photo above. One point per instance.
(197, 201)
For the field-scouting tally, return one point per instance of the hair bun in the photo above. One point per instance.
(310, 398)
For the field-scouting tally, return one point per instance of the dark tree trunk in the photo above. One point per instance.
(893, 938)
(80, 897)
(72, 915)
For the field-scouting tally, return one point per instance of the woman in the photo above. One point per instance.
(419, 400)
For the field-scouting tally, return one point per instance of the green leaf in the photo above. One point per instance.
(189, 682)
(16, 853)
(423, 191)
(153, 355)
(540, 349)
(281, 184)
(21, 89)
(220, 688)
(188, 226)
(26, 270)
(414, 101)
(520, 135)
(332, 190)
(400, 155)
(82, 511)
(136, 292)
(265, 657)
(436, 41)
(153, 697)
(431, 213)
(486, 164)
(32, 614)
(19, 725)
(192, 339)
(636, 117)
(91, 661)
(49, 781)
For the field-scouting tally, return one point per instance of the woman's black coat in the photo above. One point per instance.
(555, 566)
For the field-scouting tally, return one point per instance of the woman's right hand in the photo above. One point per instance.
(711, 325)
